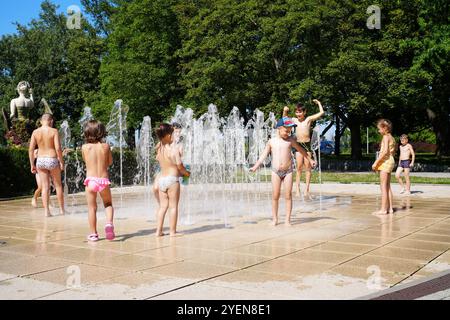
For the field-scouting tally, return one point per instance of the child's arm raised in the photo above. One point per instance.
(31, 153)
(413, 155)
(262, 157)
(285, 111)
(318, 115)
(303, 152)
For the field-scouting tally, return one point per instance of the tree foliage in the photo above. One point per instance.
(155, 54)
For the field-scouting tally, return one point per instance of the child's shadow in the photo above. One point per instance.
(125, 237)
(147, 232)
(306, 220)
(207, 228)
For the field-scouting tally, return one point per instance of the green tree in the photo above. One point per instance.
(61, 64)
(101, 12)
(140, 66)
(433, 60)
(367, 68)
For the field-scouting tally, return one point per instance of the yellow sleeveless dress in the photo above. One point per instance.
(388, 163)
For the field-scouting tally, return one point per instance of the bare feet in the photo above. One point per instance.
(297, 192)
(33, 202)
(380, 213)
(288, 224)
(274, 222)
(176, 234)
(159, 234)
(48, 214)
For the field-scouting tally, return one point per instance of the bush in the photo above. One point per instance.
(16, 178)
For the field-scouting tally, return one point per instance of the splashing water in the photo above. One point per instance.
(144, 150)
(219, 151)
(65, 137)
(87, 115)
(117, 128)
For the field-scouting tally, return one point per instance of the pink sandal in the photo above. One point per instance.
(93, 237)
(109, 231)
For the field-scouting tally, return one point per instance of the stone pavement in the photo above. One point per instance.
(336, 249)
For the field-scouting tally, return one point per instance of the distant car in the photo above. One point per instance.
(326, 147)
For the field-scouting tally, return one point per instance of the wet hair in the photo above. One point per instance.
(176, 125)
(94, 131)
(163, 130)
(300, 107)
(384, 123)
(404, 136)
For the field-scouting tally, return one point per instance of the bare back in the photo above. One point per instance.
(98, 158)
(281, 153)
(47, 140)
(168, 159)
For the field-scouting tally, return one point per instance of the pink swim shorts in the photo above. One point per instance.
(97, 184)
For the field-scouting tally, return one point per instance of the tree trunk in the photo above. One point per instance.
(441, 127)
(337, 137)
(442, 131)
(355, 134)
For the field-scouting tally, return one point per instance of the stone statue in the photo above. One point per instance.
(22, 104)
(20, 125)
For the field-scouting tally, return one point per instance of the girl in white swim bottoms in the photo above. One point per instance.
(166, 182)
(172, 168)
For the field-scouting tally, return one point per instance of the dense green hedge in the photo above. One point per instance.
(17, 180)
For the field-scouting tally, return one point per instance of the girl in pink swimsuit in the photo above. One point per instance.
(97, 156)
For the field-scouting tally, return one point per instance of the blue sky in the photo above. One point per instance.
(23, 11)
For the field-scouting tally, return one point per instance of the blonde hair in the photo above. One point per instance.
(404, 136)
(386, 124)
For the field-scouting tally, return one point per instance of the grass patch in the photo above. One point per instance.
(347, 178)
(424, 158)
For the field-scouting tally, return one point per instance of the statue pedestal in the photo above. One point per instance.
(21, 131)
